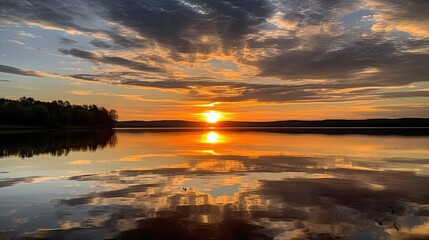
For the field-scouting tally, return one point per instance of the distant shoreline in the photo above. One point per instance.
(366, 123)
(378, 131)
(244, 128)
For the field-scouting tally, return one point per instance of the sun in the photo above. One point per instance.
(212, 116)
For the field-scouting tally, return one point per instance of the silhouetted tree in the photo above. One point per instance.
(56, 143)
(28, 111)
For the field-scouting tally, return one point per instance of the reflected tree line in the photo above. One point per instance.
(31, 112)
(56, 143)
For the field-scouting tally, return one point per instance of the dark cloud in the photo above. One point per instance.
(101, 44)
(19, 71)
(406, 94)
(351, 64)
(276, 43)
(67, 41)
(79, 53)
(316, 12)
(107, 194)
(77, 16)
(130, 64)
(110, 60)
(6, 182)
(178, 25)
(182, 229)
(414, 10)
(65, 15)
(86, 77)
(174, 24)
(319, 63)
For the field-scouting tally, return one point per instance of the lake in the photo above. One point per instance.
(214, 184)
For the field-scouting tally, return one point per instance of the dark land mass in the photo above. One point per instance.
(403, 126)
(367, 123)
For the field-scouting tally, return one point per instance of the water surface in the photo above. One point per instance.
(212, 184)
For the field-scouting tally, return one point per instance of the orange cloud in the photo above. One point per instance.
(80, 162)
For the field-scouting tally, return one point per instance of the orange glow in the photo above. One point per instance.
(211, 137)
(212, 116)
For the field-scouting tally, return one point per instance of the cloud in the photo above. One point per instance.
(408, 16)
(132, 97)
(107, 194)
(423, 93)
(20, 71)
(222, 91)
(218, 91)
(82, 92)
(14, 41)
(178, 25)
(119, 61)
(316, 12)
(67, 41)
(27, 34)
(392, 66)
(53, 14)
(141, 157)
(6, 182)
(80, 162)
(100, 44)
(175, 24)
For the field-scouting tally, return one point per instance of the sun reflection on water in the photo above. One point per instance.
(212, 137)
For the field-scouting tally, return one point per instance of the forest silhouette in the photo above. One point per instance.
(56, 114)
(56, 143)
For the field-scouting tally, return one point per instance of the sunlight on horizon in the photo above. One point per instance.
(212, 116)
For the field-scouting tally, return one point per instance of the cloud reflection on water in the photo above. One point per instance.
(258, 186)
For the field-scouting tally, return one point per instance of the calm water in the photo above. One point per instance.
(213, 184)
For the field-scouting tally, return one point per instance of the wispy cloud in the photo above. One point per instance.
(132, 97)
(119, 61)
(14, 41)
(21, 71)
(80, 162)
(82, 92)
(28, 35)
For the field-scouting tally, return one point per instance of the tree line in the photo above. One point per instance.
(57, 143)
(30, 112)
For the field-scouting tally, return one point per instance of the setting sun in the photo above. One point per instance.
(212, 116)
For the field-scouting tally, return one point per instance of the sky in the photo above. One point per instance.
(251, 60)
